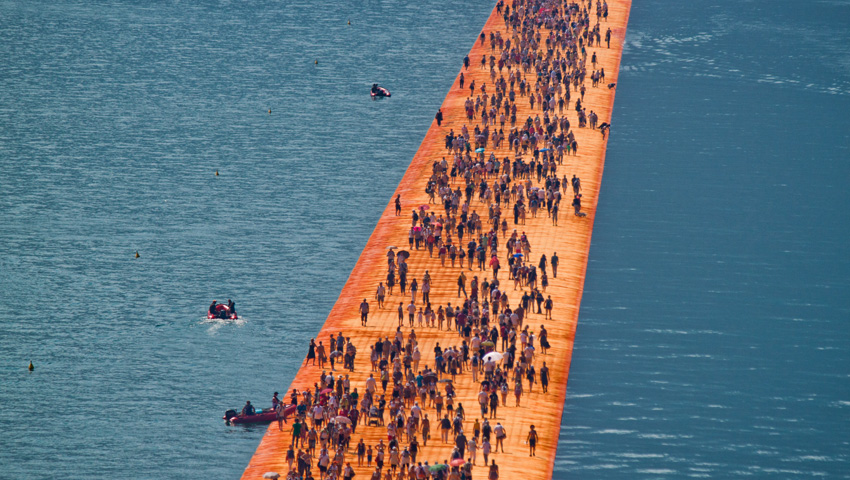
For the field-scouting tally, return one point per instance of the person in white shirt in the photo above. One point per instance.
(416, 412)
(324, 461)
(482, 400)
(411, 312)
(489, 368)
(416, 357)
(501, 434)
(485, 450)
(473, 449)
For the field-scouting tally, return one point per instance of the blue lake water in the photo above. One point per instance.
(714, 327)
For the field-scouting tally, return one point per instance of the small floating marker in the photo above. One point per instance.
(317, 62)
(349, 22)
(270, 111)
(137, 254)
(216, 173)
(31, 368)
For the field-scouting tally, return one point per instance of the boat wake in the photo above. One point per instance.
(215, 324)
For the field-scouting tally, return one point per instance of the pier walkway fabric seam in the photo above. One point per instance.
(570, 239)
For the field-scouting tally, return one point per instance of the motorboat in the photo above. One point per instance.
(222, 312)
(379, 91)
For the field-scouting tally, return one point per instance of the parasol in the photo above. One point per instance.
(438, 467)
(326, 391)
(342, 419)
(494, 356)
(457, 462)
(271, 475)
(479, 150)
(404, 254)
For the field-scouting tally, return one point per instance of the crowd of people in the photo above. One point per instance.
(540, 59)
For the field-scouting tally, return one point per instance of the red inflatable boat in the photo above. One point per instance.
(224, 313)
(378, 91)
(267, 415)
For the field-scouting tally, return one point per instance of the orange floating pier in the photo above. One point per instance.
(570, 239)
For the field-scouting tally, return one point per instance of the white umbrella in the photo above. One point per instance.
(272, 475)
(493, 356)
(342, 419)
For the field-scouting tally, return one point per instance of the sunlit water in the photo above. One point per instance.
(713, 333)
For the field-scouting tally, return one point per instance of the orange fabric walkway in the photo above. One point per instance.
(570, 239)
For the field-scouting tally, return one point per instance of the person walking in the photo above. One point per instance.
(485, 450)
(501, 434)
(461, 285)
(380, 294)
(554, 262)
(364, 312)
(493, 473)
(544, 376)
(532, 440)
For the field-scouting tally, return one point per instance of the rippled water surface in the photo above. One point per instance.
(713, 335)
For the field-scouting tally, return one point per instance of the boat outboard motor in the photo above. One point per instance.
(230, 414)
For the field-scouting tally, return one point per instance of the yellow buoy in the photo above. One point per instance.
(317, 62)
(31, 367)
(270, 111)
(137, 255)
(349, 22)
(216, 173)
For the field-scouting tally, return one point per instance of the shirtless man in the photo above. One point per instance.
(532, 440)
